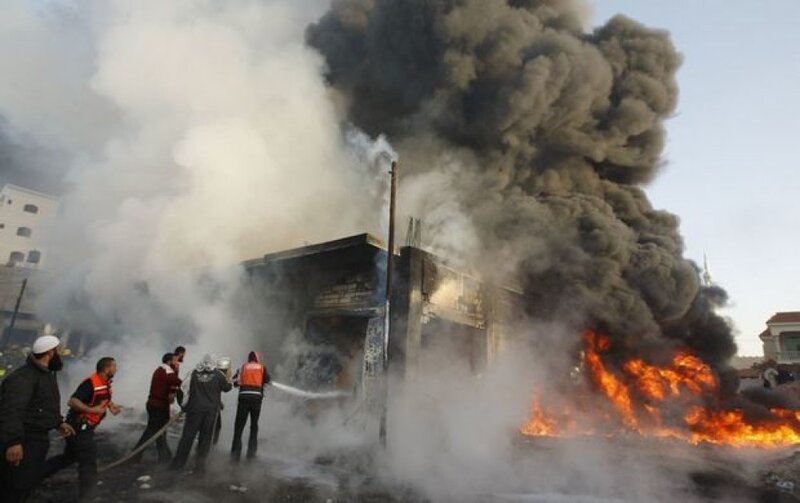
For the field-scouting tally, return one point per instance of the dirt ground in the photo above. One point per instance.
(265, 479)
(711, 475)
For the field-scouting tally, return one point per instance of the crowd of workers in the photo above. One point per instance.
(30, 408)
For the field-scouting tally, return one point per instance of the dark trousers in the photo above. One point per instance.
(157, 417)
(247, 407)
(17, 482)
(82, 449)
(198, 424)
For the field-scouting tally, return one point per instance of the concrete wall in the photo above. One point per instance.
(432, 304)
(16, 212)
(27, 325)
(434, 300)
(782, 343)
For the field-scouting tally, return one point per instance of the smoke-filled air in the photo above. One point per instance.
(185, 135)
(188, 138)
(545, 133)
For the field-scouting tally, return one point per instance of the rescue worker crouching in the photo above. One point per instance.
(88, 406)
(29, 408)
(251, 380)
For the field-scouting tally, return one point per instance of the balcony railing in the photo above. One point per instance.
(788, 357)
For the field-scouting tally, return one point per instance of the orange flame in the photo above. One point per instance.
(540, 424)
(647, 399)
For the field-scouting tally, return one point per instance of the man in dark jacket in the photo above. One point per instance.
(30, 406)
(164, 388)
(250, 380)
(206, 386)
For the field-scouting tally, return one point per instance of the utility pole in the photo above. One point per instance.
(16, 307)
(387, 301)
(392, 207)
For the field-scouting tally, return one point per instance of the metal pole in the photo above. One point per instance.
(392, 206)
(387, 305)
(16, 307)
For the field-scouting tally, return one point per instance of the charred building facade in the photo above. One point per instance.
(336, 309)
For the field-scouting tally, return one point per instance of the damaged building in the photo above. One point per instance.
(337, 303)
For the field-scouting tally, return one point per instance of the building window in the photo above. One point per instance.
(16, 257)
(2, 226)
(34, 256)
(24, 232)
(31, 208)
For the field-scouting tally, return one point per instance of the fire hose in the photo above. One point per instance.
(142, 447)
(308, 395)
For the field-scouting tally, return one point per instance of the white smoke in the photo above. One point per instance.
(198, 133)
(195, 134)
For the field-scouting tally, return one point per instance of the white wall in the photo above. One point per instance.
(774, 347)
(13, 216)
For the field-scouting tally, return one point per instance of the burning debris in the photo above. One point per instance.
(526, 140)
(546, 133)
(677, 400)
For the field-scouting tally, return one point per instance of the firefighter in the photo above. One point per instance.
(29, 409)
(206, 385)
(164, 387)
(224, 365)
(250, 380)
(180, 353)
(87, 408)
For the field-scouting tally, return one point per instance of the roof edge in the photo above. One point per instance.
(32, 192)
(337, 244)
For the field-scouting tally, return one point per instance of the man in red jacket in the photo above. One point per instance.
(164, 387)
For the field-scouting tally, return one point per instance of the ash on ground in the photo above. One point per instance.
(264, 479)
(707, 473)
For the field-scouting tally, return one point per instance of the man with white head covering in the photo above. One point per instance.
(30, 406)
(206, 385)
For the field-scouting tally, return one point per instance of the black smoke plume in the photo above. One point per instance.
(558, 128)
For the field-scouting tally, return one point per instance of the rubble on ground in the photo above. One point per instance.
(784, 475)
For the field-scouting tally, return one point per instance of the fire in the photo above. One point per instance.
(676, 400)
(540, 424)
(732, 428)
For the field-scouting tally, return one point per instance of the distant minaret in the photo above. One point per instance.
(706, 276)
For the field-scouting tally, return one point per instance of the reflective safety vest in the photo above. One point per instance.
(251, 379)
(101, 396)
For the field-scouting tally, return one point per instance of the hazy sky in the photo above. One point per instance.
(734, 147)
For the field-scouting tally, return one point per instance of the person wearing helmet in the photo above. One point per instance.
(251, 380)
(30, 406)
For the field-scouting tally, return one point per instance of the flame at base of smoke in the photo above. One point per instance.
(679, 400)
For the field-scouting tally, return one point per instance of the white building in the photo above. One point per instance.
(781, 339)
(25, 217)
